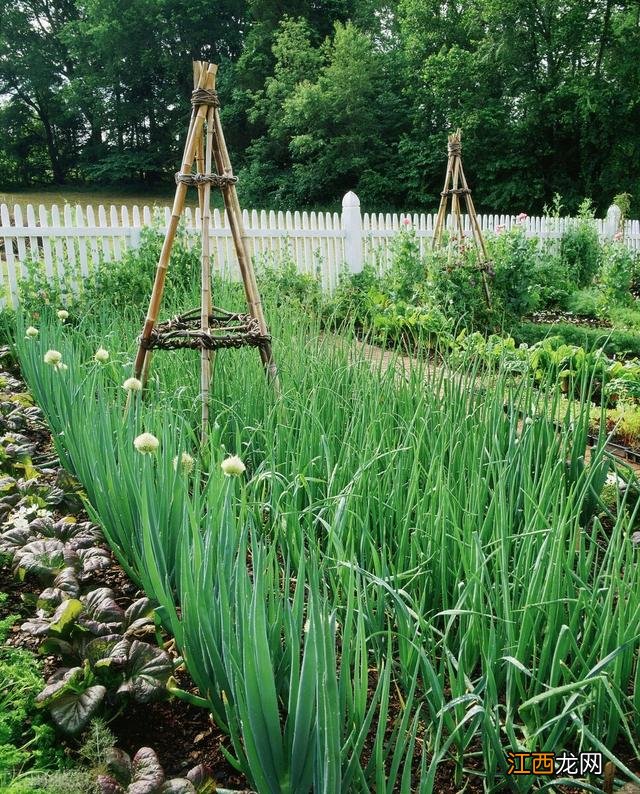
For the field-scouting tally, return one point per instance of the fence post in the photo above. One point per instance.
(612, 222)
(133, 237)
(352, 230)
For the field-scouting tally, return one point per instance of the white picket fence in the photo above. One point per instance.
(75, 240)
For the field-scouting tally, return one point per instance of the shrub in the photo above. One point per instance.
(455, 282)
(353, 300)
(625, 317)
(555, 283)
(616, 276)
(128, 281)
(625, 418)
(515, 262)
(26, 738)
(580, 247)
(36, 291)
(584, 303)
(119, 284)
(286, 285)
(407, 271)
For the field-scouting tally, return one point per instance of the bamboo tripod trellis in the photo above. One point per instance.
(460, 188)
(208, 328)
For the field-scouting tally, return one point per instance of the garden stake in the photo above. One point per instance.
(207, 328)
(455, 173)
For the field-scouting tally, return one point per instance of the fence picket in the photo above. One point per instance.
(20, 240)
(321, 248)
(43, 217)
(93, 239)
(106, 241)
(82, 243)
(58, 245)
(70, 242)
(9, 259)
(34, 251)
(69, 239)
(117, 249)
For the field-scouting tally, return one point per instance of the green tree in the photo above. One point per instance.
(345, 123)
(34, 69)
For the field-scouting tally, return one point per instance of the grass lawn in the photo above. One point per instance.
(115, 196)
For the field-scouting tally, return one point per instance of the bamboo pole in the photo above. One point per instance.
(455, 201)
(195, 130)
(442, 209)
(241, 244)
(205, 295)
(477, 234)
(197, 68)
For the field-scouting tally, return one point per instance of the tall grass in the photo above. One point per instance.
(407, 575)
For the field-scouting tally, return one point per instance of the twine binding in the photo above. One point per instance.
(205, 96)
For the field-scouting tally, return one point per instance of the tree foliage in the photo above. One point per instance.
(324, 96)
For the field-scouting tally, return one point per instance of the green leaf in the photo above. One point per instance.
(65, 617)
(147, 672)
(44, 558)
(59, 683)
(72, 711)
(102, 614)
(119, 764)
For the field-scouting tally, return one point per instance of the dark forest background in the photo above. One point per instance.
(322, 96)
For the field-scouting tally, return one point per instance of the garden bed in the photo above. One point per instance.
(181, 734)
(301, 478)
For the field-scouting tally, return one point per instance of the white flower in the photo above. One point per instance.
(101, 355)
(54, 359)
(63, 314)
(132, 384)
(233, 466)
(43, 513)
(146, 443)
(31, 332)
(20, 523)
(186, 462)
(614, 479)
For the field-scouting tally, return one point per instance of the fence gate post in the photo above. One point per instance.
(612, 222)
(352, 230)
(133, 237)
